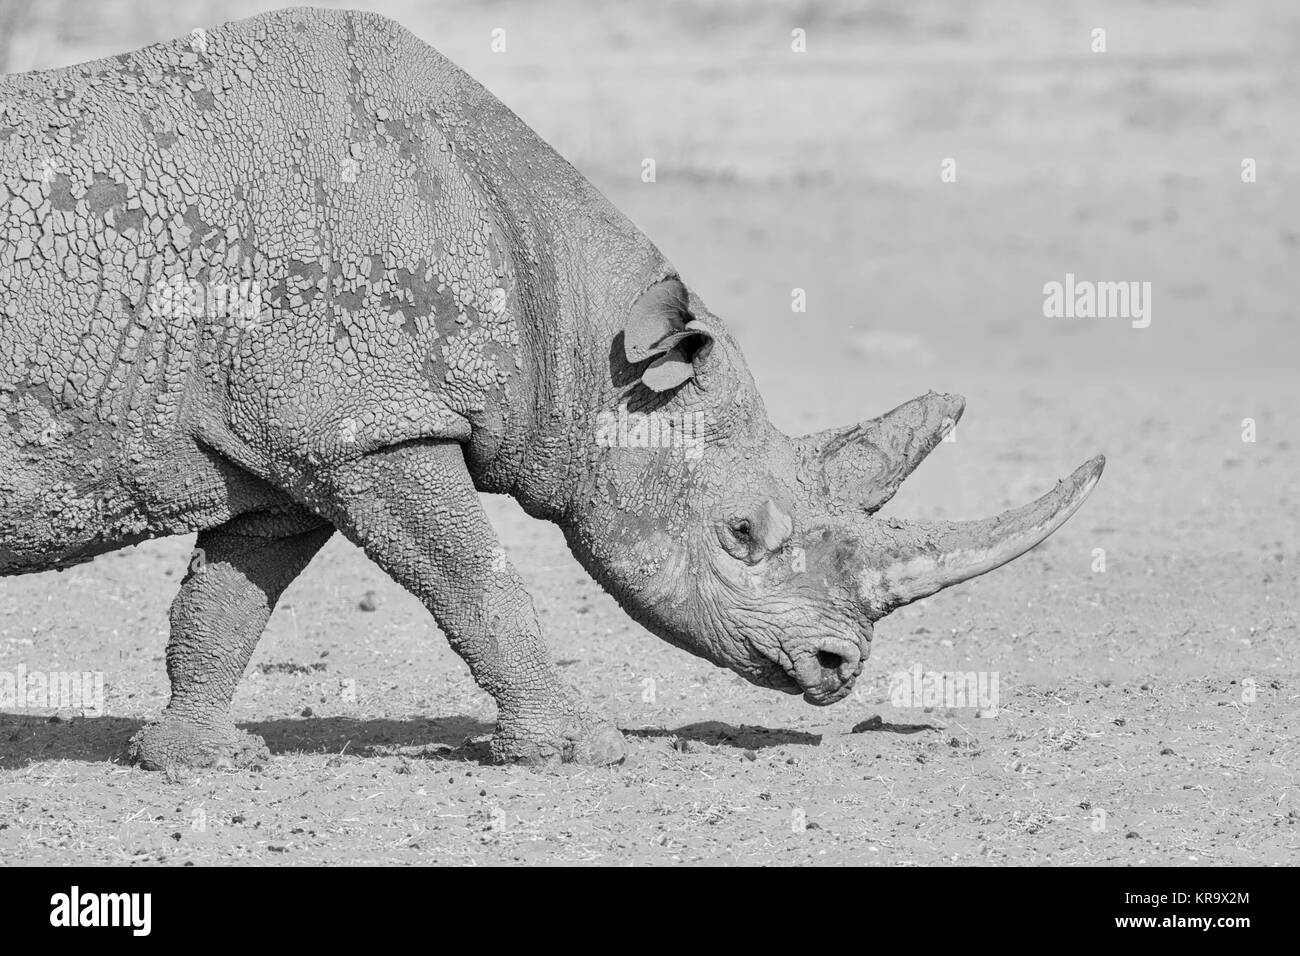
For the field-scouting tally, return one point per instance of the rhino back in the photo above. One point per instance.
(257, 236)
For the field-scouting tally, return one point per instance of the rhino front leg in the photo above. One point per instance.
(415, 511)
(238, 573)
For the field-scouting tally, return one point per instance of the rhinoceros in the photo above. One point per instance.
(300, 274)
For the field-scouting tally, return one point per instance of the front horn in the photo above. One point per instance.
(904, 561)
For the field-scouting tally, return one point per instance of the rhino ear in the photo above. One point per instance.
(659, 326)
(657, 313)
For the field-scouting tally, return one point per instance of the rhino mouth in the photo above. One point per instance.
(776, 677)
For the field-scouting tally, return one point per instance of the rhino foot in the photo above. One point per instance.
(172, 742)
(585, 739)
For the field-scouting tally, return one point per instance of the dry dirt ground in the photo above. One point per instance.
(1147, 656)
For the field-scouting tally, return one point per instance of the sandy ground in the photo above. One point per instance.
(1148, 710)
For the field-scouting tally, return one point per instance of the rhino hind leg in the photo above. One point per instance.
(415, 511)
(238, 572)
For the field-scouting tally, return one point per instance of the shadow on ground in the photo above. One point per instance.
(744, 737)
(27, 740)
(879, 725)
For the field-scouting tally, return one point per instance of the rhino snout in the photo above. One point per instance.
(826, 674)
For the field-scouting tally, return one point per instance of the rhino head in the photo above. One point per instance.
(757, 551)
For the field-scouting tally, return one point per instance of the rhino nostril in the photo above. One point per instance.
(829, 660)
(837, 663)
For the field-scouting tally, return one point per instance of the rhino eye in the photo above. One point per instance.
(760, 530)
(736, 537)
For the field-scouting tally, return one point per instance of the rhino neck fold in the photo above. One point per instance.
(578, 265)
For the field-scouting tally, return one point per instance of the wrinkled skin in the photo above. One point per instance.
(441, 307)
(667, 538)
